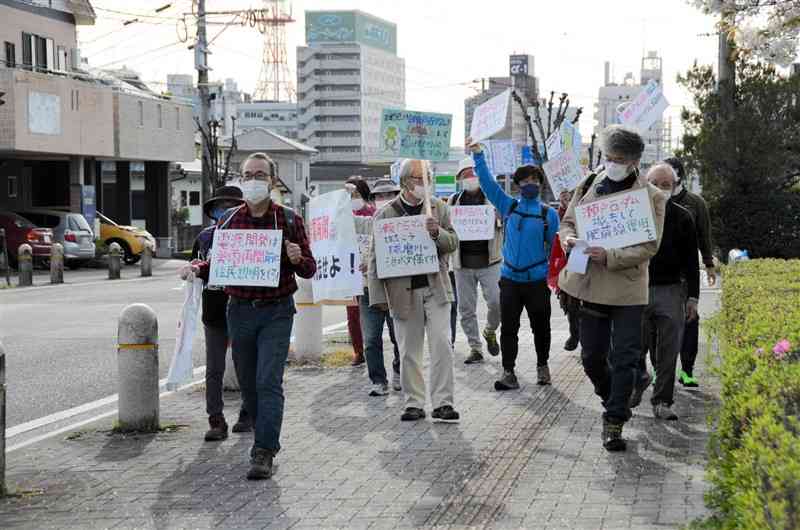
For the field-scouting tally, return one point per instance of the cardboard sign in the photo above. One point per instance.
(564, 172)
(490, 117)
(335, 247)
(421, 135)
(646, 109)
(501, 156)
(403, 247)
(617, 221)
(473, 223)
(246, 258)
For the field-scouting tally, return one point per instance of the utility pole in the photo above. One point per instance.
(201, 65)
(726, 85)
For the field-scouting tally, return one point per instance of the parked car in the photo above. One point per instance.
(70, 229)
(20, 230)
(130, 238)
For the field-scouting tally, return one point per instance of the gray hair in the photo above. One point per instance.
(260, 156)
(622, 141)
(407, 168)
(663, 166)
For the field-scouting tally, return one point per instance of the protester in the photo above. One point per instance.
(668, 309)
(530, 229)
(477, 263)
(260, 318)
(420, 304)
(614, 290)
(361, 203)
(558, 260)
(698, 208)
(215, 304)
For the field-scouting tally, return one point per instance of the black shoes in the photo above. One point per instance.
(612, 436)
(260, 464)
(413, 414)
(507, 382)
(243, 424)
(218, 429)
(571, 344)
(445, 414)
(475, 357)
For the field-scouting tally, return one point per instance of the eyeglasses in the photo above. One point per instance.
(417, 180)
(256, 175)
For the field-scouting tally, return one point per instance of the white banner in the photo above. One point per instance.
(564, 172)
(490, 117)
(617, 221)
(473, 223)
(646, 109)
(335, 247)
(403, 247)
(180, 367)
(246, 257)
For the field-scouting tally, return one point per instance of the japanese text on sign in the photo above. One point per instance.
(246, 258)
(473, 223)
(410, 134)
(564, 171)
(490, 117)
(646, 109)
(617, 221)
(403, 247)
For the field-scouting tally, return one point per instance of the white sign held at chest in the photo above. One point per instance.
(403, 247)
(490, 117)
(473, 223)
(617, 221)
(246, 258)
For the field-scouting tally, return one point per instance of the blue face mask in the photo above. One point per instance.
(529, 191)
(217, 212)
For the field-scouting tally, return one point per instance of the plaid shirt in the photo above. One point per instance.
(274, 219)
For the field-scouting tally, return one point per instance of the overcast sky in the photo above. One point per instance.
(446, 44)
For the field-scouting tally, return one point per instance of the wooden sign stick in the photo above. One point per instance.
(426, 180)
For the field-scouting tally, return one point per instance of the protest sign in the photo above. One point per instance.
(563, 171)
(473, 223)
(403, 247)
(335, 247)
(566, 138)
(501, 156)
(617, 221)
(246, 258)
(180, 367)
(490, 117)
(646, 109)
(409, 134)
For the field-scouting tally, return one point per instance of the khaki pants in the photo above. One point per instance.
(430, 318)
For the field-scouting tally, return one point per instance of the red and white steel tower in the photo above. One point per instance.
(275, 80)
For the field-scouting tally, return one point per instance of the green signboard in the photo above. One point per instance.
(350, 26)
(409, 134)
(445, 185)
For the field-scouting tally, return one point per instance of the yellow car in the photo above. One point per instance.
(130, 238)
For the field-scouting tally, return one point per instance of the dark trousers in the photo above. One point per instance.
(534, 297)
(216, 350)
(662, 327)
(453, 309)
(572, 308)
(611, 337)
(691, 336)
(354, 329)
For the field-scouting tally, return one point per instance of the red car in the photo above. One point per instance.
(20, 230)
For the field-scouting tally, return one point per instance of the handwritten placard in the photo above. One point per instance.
(564, 171)
(335, 247)
(501, 156)
(410, 134)
(403, 247)
(646, 109)
(617, 221)
(490, 117)
(246, 258)
(473, 223)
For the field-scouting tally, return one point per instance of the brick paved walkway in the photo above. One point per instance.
(527, 459)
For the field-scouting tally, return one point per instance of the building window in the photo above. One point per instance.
(12, 187)
(27, 50)
(184, 196)
(11, 55)
(141, 114)
(61, 59)
(160, 117)
(178, 118)
(194, 198)
(40, 48)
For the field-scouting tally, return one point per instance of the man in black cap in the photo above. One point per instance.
(215, 303)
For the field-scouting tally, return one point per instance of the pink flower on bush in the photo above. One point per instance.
(781, 348)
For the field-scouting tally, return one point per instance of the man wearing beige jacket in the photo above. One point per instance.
(420, 304)
(614, 290)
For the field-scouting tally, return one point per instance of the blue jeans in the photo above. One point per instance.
(372, 320)
(611, 338)
(261, 337)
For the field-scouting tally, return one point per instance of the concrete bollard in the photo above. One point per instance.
(147, 260)
(3, 489)
(137, 369)
(307, 328)
(114, 261)
(57, 264)
(25, 263)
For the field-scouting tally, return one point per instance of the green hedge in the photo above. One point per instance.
(754, 462)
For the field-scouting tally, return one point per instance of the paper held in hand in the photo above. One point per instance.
(246, 258)
(578, 260)
(617, 221)
(403, 247)
(473, 223)
(490, 117)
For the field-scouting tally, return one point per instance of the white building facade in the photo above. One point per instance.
(277, 116)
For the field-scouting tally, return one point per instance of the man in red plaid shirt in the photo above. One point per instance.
(260, 318)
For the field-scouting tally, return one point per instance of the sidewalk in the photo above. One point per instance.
(41, 277)
(527, 459)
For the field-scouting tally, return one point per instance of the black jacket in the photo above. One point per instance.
(215, 301)
(698, 208)
(677, 255)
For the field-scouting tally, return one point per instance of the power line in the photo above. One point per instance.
(139, 55)
(129, 14)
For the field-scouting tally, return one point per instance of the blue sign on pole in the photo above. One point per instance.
(88, 205)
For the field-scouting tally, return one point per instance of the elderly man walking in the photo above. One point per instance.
(420, 304)
(614, 289)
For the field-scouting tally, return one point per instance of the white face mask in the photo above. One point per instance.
(419, 192)
(470, 184)
(617, 172)
(255, 191)
(356, 204)
(381, 203)
(667, 194)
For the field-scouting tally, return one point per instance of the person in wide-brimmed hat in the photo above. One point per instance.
(215, 303)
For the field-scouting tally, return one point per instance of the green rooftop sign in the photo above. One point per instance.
(350, 26)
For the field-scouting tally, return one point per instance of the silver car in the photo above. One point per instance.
(70, 229)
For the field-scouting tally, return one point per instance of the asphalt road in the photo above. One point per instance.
(60, 341)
